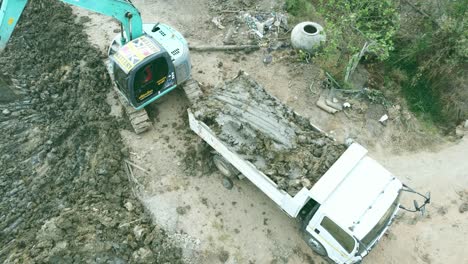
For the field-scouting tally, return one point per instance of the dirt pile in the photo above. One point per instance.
(64, 195)
(282, 144)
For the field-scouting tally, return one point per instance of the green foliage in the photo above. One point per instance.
(433, 51)
(350, 25)
(300, 9)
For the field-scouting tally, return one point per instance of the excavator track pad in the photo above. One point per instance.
(192, 91)
(138, 118)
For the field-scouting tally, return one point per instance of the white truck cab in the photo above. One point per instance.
(351, 207)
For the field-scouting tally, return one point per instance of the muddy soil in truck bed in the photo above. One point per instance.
(64, 195)
(279, 142)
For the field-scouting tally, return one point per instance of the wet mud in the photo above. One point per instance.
(65, 197)
(256, 125)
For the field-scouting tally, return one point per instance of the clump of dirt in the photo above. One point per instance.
(197, 159)
(279, 142)
(65, 197)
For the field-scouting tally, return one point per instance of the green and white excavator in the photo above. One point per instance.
(146, 61)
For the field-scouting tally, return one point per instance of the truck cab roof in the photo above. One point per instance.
(356, 191)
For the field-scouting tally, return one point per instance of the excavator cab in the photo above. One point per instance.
(143, 71)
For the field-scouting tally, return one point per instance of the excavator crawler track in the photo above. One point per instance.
(138, 118)
(192, 90)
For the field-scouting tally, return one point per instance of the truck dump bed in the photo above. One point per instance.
(242, 121)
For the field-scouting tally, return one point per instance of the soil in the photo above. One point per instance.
(279, 142)
(65, 197)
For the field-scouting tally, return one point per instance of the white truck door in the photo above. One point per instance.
(340, 245)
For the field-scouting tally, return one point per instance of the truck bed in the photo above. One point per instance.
(285, 146)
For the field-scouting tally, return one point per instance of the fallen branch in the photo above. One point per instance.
(333, 80)
(136, 166)
(224, 48)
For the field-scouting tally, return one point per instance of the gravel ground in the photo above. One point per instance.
(65, 197)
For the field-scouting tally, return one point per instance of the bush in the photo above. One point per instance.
(433, 50)
(356, 29)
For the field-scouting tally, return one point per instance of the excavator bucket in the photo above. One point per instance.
(10, 12)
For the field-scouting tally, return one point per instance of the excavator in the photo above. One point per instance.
(145, 61)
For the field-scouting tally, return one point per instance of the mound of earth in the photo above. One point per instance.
(65, 197)
(279, 142)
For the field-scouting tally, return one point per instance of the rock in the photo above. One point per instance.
(128, 206)
(459, 132)
(102, 172)
(6, 112)
(306, 183)
(181, 210)
(223, 256)
(463, 207)
(295, 183)
(268, 59)
(142, 255)
(138, 231)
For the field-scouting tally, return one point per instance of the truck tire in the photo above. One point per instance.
(316, 246)
(227, 183)
(225, 167)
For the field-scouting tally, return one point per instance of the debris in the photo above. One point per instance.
(268, 59)
(6, 112)
(463, 207)
(128, 206)
(383, 119)
(181, 210)
(349, 141)
(459, 132)
(334, 105)
(466, 124)
(346, 105)
(138, 232)
(262, 24)
(228, 40)
(323, 105)
(225, 48)
(136, 166)
(217, 21)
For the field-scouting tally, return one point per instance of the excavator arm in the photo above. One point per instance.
(10, 12)
(122, 10)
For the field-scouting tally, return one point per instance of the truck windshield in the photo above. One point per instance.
(380, 226)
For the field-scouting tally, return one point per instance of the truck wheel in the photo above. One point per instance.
(225, 167)
(316, 246)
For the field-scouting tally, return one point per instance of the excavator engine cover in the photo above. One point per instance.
(143, 71)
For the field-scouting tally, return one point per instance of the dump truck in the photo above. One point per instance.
(343, 214)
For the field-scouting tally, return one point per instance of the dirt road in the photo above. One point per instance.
(440, 236)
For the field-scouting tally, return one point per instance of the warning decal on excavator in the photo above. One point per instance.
(134, 52)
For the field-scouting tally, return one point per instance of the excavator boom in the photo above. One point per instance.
(10, 12)
(122, 10)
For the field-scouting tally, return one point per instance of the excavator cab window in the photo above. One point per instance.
(150, 79)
